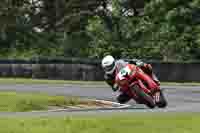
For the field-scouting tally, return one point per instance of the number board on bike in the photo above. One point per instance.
(124, 72)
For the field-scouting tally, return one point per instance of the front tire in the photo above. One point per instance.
(147, 99)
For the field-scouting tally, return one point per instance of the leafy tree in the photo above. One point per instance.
(167, 30)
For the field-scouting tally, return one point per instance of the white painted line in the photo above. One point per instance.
(112, 104)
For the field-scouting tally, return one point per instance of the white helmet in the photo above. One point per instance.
(108, 64)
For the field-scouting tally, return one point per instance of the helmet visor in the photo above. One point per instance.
(109, 68)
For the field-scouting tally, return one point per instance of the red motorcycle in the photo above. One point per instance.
(133, 81)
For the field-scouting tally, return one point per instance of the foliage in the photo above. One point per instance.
(166, 30)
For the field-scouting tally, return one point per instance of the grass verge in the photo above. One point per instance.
(42, 81)
(148, 123)
(21, 102)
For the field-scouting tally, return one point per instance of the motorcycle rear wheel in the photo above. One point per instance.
(162, 101)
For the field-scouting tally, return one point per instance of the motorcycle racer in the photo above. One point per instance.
(112, 67)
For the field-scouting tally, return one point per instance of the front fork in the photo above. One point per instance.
(142, 86)
(155, 93)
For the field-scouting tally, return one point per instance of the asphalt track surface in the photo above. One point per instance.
(180, 99)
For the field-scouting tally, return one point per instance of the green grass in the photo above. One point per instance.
(132, 123)
(13, 101)
(42, 81)
(181, 84)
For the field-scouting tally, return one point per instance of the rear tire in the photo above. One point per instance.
(147, 99)
(162, 101)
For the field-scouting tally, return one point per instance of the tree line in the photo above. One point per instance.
(167, 30)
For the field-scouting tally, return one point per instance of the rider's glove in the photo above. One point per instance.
(115, 87)
(140, 63)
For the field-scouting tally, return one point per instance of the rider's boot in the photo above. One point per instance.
(148, 70)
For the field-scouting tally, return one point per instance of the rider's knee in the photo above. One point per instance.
(122, 99)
